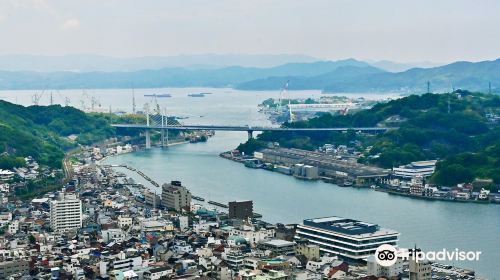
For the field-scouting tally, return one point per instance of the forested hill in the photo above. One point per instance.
(459, 128)
(462, 74)
(41, 131)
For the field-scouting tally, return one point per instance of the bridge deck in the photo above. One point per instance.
(247, 128)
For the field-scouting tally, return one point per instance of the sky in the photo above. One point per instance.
(397, 30)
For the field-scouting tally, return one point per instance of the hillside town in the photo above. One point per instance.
(104, 225)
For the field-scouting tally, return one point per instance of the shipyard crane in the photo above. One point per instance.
(65, 99)
(82, 100)
(93, 102)
(36, 97)
(156, 105)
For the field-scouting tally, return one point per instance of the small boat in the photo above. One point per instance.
(161, 95)
(347, 183)
(197, 198)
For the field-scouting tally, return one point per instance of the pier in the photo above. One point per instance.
(154, 183)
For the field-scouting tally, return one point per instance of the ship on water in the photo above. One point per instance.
(201, 94)
(160, 95)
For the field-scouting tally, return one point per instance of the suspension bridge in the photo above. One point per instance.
(162, 123)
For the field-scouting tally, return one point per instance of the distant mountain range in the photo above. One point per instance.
(167, 77)
(348, 75)
(91, 63)
(392, 66)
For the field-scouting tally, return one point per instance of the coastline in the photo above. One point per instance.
(227, 155)
(208, 197)
(141, 148)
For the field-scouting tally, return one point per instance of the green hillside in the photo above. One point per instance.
(41, 132)
(453, 127)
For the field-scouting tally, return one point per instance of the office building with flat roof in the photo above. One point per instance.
(175, 196)
(348, 238)
(278, 246)
(241, 209)
(415, 169)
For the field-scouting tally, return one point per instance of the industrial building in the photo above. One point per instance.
(348, 238)
(327, 165)
(304, 171)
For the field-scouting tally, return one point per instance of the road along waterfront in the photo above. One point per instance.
(432, 225)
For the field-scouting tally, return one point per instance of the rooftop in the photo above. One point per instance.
(279, 243)
(325, 161)
(349, 227)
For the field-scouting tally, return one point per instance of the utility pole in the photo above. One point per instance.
(133, 101)
(162, 131)
(428, 87)
(449, 105)
(51, 99)
(154, 201)
(166, 124)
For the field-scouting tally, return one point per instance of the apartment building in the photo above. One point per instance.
(66, 213)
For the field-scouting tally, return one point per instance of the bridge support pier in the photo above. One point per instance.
(147, 134)
(166, 143)
(162, 136)
(250, 134)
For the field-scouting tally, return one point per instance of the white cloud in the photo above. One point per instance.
(70, 24)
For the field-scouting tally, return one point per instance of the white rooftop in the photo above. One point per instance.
(279, 243)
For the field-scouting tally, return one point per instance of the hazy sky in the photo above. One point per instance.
(400, 30)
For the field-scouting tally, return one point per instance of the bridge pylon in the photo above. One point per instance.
(147, 134)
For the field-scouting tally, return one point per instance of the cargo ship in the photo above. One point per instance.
(161, 95)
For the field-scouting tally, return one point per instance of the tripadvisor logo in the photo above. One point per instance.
(387, 255)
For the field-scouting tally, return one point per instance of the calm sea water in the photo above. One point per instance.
(431, 225)
(224, 106)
